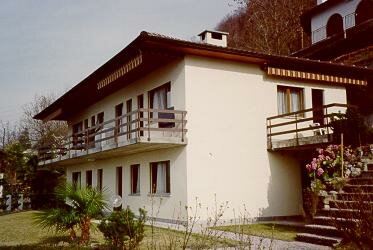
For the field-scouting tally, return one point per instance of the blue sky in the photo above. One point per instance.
(47, 46)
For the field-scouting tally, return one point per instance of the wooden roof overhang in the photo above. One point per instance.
(120, 71)
(150, 51)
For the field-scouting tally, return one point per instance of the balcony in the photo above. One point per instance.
(138, 131)
(304, 128)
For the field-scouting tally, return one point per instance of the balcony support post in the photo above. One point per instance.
(182, 126)
(86, 141)
(296, 129)
(138, 125)
(148, 124)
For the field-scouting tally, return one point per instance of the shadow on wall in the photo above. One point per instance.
(284, 187)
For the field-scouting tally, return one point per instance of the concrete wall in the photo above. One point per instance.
(226, 156)
(166, 206)
(228, 104)
(173, 72)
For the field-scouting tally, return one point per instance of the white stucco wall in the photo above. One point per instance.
(226, 156)
(173, 72)
(228, 104)
(163, 206)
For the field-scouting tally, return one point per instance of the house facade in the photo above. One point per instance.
(168, 123)
(342, 31)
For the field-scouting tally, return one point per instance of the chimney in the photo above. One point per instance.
(321, 1)
(212, 37)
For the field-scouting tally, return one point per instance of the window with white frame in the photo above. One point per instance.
(160, 177)
(289, 99)
(135, 179)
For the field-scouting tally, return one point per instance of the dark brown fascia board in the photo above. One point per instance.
(155, 41)
(305, 18)
(262, 59)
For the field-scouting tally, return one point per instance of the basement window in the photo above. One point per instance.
(88, 178)
(135, 179)
(160, 177)
(76, 178)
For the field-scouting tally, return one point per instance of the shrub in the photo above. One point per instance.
(122, 230)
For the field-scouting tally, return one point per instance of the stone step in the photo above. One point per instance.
(348, 188)
(322, 230)
(355, 196)
(367, 174)
(318, 239)
(360, 181)
(336, 212)
(343, 204)
(332, 221)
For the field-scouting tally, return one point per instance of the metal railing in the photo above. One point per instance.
(139, 125)
(321, 33)
(308, 126)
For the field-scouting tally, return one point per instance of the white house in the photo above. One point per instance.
(333, 17)
(166, 120)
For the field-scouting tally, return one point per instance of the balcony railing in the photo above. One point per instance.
(150, 126)
(321, 33)
(304, 127)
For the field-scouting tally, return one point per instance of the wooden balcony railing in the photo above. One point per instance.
(141, 125)
(304, 127)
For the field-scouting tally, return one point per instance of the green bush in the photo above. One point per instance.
(122, 230)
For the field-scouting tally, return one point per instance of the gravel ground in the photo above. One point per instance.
(256, 242)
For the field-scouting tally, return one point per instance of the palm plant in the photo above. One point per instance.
(80, 205)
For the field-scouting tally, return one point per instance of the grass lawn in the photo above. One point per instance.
(267, 230)
(17, 231)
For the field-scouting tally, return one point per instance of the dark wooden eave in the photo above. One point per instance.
(158, 50)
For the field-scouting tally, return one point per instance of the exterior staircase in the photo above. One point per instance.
(342, 208)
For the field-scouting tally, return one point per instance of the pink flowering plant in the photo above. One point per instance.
(328, 163)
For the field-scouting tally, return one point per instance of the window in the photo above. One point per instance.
(140, 105)
(99, 178)
(160, 177)
(160, 99)
(118, 113)
(119, 181)
(88, 178)
(289, 99)
(135, 179)
(78, 136)
(100, 118)
(76, 178)
(129, 118)
(217, 36)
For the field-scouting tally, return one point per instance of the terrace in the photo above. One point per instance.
(304, 128)
(141, 130)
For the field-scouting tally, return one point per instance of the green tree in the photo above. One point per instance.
(42, 133)
(79, 207)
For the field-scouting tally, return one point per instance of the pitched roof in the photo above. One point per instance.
(155, 50)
